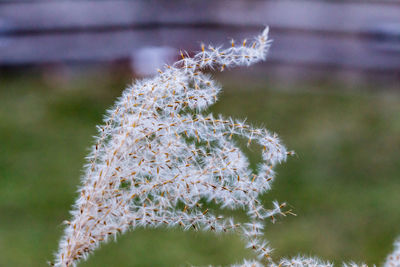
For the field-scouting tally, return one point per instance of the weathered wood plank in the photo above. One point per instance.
(346, 17)
(106, 46)
(305, 32)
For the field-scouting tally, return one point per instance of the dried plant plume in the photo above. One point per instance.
(157, 159)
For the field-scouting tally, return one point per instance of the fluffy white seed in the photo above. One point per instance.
(155, 151)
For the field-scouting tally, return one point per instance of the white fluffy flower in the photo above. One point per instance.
(393, 260)
(304, 262)
(155, 151)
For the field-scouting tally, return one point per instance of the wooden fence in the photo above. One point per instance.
(353, 35)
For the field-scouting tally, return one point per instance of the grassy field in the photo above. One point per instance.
(343, 184)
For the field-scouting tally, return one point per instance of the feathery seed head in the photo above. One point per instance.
(393, 260)
(155, 151)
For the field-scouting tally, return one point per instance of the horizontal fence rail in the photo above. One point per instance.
(360, 35)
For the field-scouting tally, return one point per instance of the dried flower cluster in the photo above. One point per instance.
(157, 160)
(156, 152)
(303, 261)
(393, 260)
(294, 262)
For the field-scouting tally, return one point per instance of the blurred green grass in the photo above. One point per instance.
(343, 183)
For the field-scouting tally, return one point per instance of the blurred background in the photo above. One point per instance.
(330, 88)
